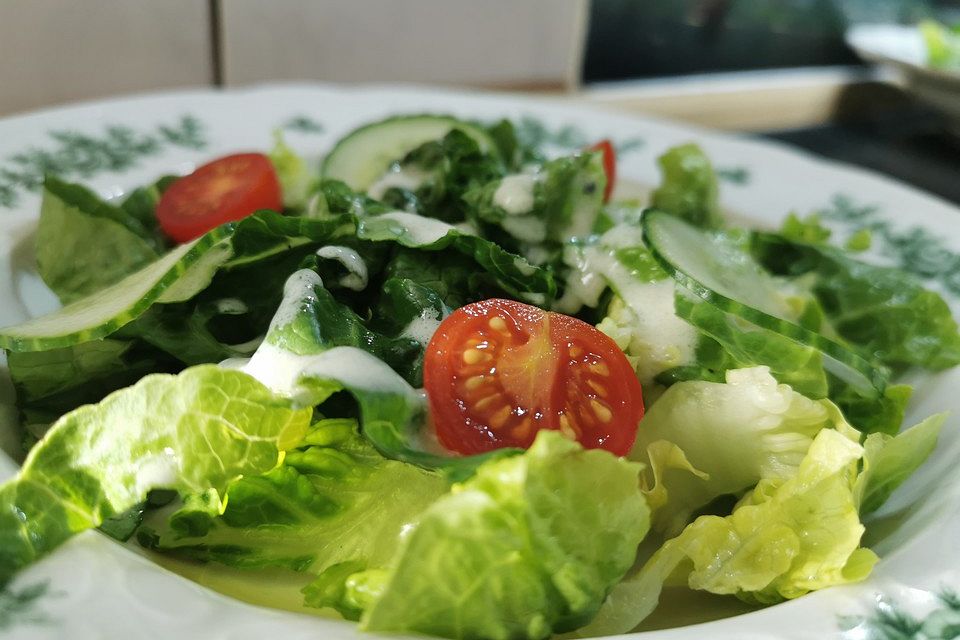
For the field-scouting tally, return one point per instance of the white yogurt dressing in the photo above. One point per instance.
(423, 327)
(158, 470)
(422, 230)
(526, 228)
(231, 306)
(515, 193)
(357, 277)
(298, 288)
(281, 371)
(409, 178)
(659, 337)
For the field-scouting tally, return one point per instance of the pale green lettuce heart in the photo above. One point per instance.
(783, 539)
(730, 436)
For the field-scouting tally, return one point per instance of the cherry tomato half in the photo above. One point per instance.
(609, 165)
(498, 371)
(224, 190)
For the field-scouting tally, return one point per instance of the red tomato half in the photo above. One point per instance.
(609, 165)
(224, 190)
(498, 371)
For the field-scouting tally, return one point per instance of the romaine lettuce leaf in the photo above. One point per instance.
(689, 188)
(513, 273)
(296, 178)
(450, 167)
(333, 499)
(528, 547)
(785, 538)
(194, 433)
(84, 244)
(701, 440)
(51, 383)
(884, 311)
(889, 460)
(561, 200)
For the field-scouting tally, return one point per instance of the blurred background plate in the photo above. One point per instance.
(902, 50)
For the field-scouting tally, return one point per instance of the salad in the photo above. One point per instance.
(942, 43)
(458, 388)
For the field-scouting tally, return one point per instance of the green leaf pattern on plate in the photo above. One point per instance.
(889, 620)
(302, 124)
(84, 155)
(915, 249)
(19, 606)
(535, 133)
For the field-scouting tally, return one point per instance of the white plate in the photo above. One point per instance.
(901, 48)
(93, 588)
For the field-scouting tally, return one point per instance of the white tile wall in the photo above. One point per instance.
(52, 51)
(475, 42)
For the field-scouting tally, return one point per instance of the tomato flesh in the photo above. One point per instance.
(496, 372)
(609, 165)
(224, 190)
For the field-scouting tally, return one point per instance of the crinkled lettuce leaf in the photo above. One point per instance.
(785, 538)
(511, 272)
(731, 341)
(333, 499)
(701, 440)
(528, 547)
(195, 433)
(689, 188)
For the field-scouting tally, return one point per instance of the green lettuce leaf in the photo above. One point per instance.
(194, 433)
(528, 547)
(942, 43)
(785, 538)
(513, 273)
(560, 201)
(296, 178)
(51, 383)
(450, 168)
(333, 499)
(689, 188)
(889, 460)
(141, 205)
(882, 310)
(84, 244)
(701, 440)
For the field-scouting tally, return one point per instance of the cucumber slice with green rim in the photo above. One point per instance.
(713, 269)
(365, 154)
(176, 276)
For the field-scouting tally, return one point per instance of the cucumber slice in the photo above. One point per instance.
(175, 276)
(715, 270)
(365, 154)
